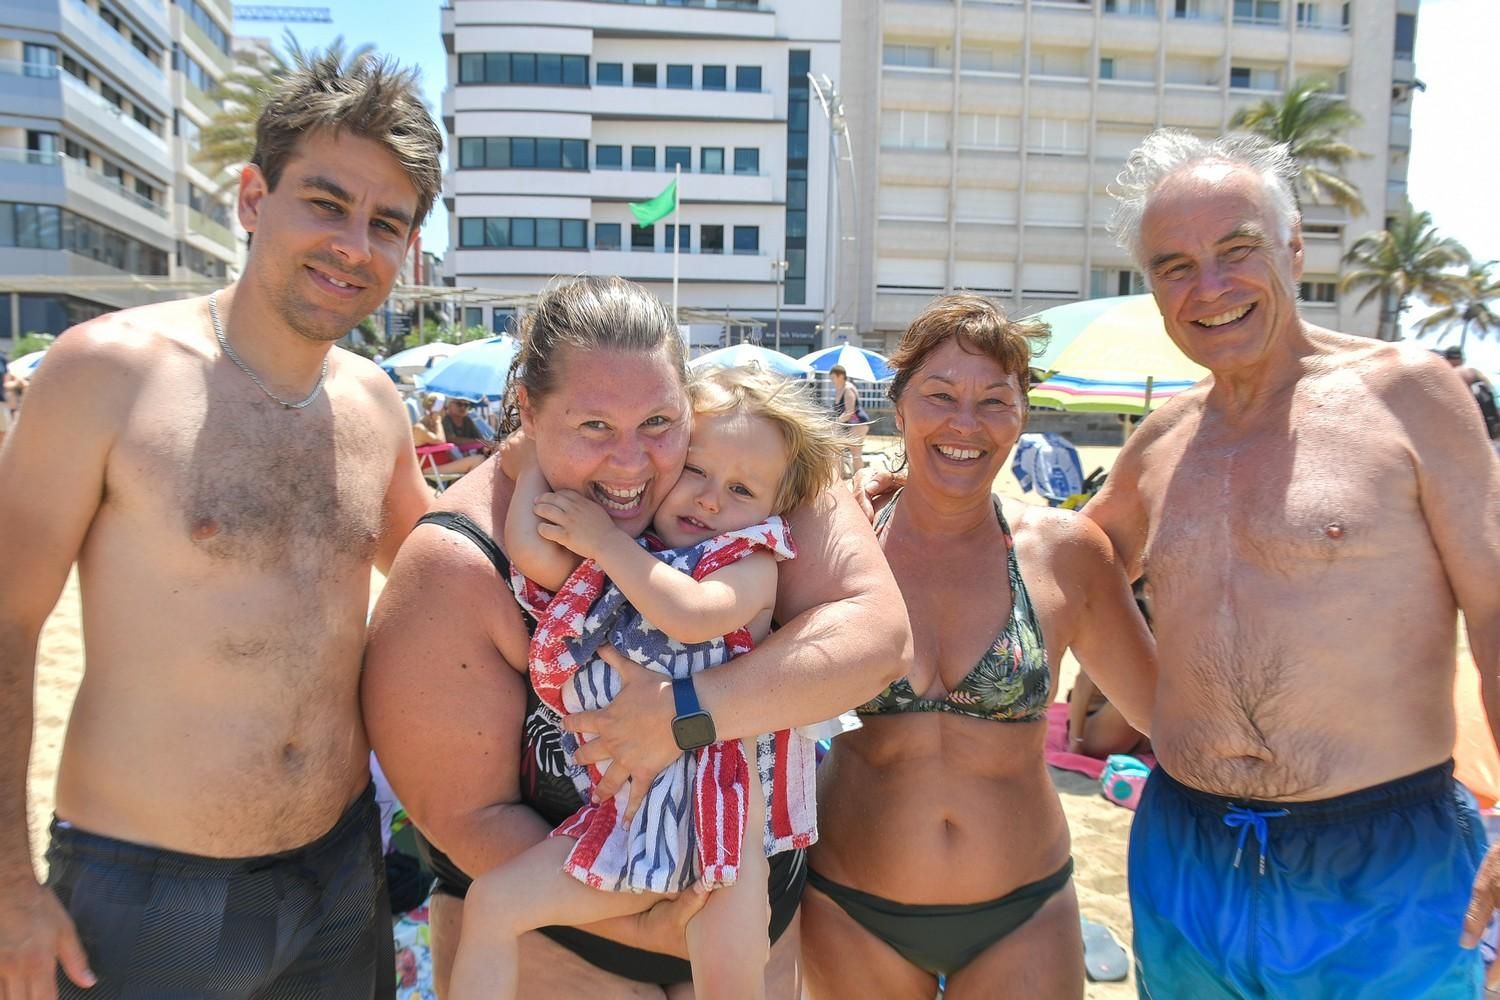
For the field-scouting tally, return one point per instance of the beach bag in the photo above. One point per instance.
(1123, 779)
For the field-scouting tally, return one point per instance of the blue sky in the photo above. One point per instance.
(1455, 139)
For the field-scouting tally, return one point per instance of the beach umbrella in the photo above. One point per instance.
(417, 359)
(745, 355)
(1110, 355)
(25, 365)
(476, 373)
(860, 364)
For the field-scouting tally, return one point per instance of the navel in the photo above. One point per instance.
(1334, 531)
(205, 528)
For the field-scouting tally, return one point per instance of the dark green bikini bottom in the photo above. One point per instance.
(943, 939)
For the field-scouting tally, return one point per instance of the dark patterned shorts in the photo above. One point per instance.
(309, 923)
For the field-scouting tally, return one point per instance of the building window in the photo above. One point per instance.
(794, 284)
(746, 161)
(922, 56)
(201, 18)
(711, 239)
(715, 78)
(1406, 35)
(642, 237)
(1107, 282)
(1106, 67)
(1258, 11)
(642, 157)
(747, 78)
(679, 77)
(503, 320)
(1307, 15)
(683, 235)
(747, 239)
(1187, 8)
(47, 227)
(643, 75)
(711, 160)
(609, 74)
(606, 236)
(1325, 292)
(513, 233)
(38, 60)
(525, 68)
(473, 316)
(678, 156)
(1246, 78)
(1142, 7)
(607, 157)
(41, 147)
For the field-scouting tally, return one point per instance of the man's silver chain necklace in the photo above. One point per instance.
(213, 312)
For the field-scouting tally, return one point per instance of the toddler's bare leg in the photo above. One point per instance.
(530, 891)
(727, 939)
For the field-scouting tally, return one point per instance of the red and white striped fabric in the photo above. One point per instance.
(691, 824)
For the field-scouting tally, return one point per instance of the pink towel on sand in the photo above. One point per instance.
(1058, 754)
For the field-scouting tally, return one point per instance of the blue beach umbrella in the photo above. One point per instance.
(745, 355)
(477, 372)
(860, 364)
(417, 359)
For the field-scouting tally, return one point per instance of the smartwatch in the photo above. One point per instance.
(692, 727)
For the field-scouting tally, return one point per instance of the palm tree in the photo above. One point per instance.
(1410, 258)
(229, 139)
(1312, 121)
(1473, 302)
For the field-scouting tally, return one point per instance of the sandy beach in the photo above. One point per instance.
(1099, 828)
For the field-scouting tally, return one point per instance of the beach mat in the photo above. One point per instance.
(1058, 754)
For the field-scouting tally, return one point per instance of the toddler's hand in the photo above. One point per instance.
(517, 454)
(575, 522)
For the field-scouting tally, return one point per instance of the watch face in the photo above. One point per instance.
(694, 730)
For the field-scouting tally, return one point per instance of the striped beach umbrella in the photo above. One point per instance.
(1110, 355)
(860, 365)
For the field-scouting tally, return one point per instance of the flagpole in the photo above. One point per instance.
(676, 232)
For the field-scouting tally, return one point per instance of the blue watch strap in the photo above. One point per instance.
(685, 696)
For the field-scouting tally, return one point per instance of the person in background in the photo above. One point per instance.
(461, 430)
(847, 411)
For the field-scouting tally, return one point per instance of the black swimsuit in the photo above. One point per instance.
(546, 788)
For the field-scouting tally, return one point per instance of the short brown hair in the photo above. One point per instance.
(373, 99)
(813, 442)
(980, 327)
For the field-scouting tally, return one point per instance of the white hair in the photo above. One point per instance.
(1166, 152)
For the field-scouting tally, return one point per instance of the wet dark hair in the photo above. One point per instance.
(587, 314)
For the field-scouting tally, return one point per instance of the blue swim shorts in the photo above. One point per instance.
(1362, 895)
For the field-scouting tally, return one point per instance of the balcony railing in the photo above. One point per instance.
(214, 230)
(200, 100)
(76, 168)
(79, 87)
(114, 39)
(15, 67)
(220, 58)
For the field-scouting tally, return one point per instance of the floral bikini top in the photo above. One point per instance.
(1011, 682)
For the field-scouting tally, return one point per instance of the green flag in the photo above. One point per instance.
(648, 213)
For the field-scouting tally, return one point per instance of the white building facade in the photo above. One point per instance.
(560, 113)
(992, 128)
(100, 106)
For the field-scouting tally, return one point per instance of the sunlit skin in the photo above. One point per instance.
(1212, 247)
(735, 464)
(956, 403)
(341, 212)
(615, 429)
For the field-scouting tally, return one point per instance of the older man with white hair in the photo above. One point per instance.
(1313, 516)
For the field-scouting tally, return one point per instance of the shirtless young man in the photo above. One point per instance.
(1311, 516)
(215, 833)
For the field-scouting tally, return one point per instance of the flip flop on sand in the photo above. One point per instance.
(1103, 958)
